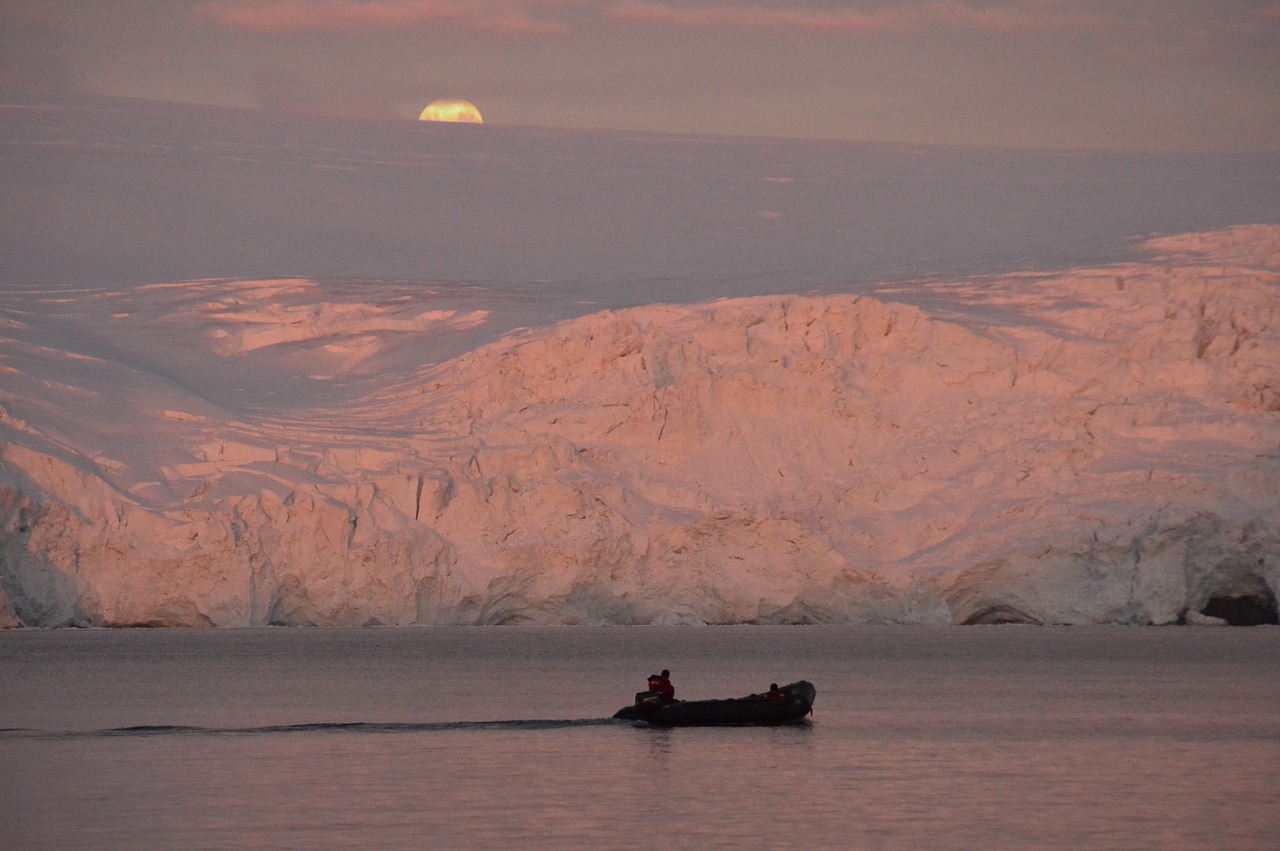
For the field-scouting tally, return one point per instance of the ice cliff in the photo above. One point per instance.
(1096, 445)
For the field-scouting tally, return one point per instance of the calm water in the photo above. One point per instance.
(488, 738)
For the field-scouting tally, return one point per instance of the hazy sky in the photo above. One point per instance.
(1145, 74)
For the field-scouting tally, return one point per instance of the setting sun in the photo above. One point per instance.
(452, 110)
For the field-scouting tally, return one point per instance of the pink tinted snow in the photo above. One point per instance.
(1087, 445)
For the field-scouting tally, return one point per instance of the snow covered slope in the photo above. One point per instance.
(261, 369)
(116, 192)
(1095, 445)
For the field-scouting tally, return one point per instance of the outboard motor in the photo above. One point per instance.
(648, 703)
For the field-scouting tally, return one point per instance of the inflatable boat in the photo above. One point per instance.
(790, 704)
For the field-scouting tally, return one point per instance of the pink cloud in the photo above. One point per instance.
(511, 17)
(537, 17)
(1030, 16)
(737, 17)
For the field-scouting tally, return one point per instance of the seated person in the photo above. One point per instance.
(661, 683)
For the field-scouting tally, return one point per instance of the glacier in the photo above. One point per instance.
(1094, 445)
(801, 414)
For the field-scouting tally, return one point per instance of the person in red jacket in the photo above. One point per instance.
(661, 683)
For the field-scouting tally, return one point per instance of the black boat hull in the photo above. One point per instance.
(753, 710)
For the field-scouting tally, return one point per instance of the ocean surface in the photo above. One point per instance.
(500, 738)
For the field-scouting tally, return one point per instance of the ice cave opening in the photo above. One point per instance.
(1244, 610)
(999, 614)
(1250, 603)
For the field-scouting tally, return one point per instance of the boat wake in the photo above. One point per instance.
(323, 727)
